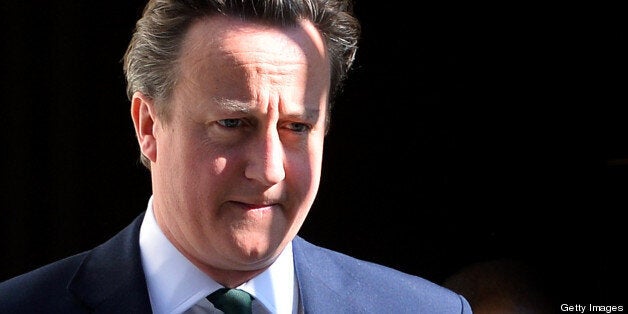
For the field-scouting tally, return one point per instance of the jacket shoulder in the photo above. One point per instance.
(42, 289)
(108, 278)
(370, 285)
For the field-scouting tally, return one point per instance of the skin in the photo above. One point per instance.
(236, 160)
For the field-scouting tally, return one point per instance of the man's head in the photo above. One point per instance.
(151, 59)
(233, 125)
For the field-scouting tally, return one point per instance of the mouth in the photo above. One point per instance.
(253, 214)
(256, 207)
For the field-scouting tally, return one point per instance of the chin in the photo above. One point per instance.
(258, 248)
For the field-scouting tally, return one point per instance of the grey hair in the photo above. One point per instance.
(150, 62)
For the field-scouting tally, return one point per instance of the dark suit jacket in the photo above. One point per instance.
(110, 279)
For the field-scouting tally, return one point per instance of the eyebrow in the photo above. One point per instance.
(245, 107)
(233, 105)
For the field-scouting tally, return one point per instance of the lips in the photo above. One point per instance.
(250, 206)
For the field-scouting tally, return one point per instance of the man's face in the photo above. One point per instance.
(236, 162)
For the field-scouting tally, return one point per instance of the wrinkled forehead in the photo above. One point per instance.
(229, 38)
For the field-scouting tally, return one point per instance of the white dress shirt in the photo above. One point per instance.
(175, 285)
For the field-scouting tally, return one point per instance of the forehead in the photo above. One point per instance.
(221, 38)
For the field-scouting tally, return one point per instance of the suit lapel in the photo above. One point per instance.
(110, 278)
(322, 288)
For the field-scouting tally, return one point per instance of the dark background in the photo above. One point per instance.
(464, 134)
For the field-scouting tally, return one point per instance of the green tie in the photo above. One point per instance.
(231, 301)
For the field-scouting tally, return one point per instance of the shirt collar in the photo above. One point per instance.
(175, 284)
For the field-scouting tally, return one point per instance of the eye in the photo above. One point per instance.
(299, 127)
(230, 123)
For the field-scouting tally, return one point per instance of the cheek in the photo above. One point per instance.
(218, 165)
(304, 169)
(208, 170)
(192, 166)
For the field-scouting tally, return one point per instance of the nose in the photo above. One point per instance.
(266, 159)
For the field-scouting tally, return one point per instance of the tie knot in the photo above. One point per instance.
(231, 301)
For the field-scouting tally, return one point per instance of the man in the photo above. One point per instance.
(230, 102)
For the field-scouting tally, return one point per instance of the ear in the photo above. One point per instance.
(144, 121)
